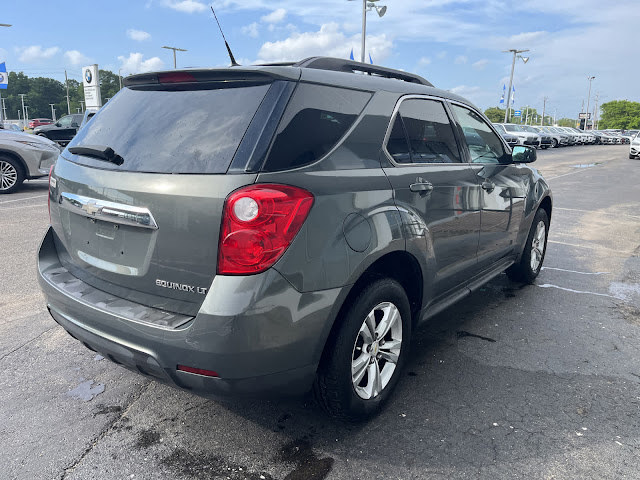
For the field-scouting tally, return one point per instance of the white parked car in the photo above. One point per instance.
(634, 147)
(524, 137)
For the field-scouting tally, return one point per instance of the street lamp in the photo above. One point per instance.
(367, 5)
(586, 120)
(174, 53)
(53, 111)
(513, 64)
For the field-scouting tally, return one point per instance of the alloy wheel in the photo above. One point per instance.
(537, 245)
(376, 350)
(8, 175)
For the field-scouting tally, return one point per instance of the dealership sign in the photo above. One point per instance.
(91, 83)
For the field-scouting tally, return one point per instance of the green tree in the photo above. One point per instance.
(567, 122)
(109, 85)
(495, 114)
(620, 114)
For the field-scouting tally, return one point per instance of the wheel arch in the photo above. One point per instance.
(13, 155)
(547, 206)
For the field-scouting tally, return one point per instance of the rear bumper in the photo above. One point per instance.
(258, 333)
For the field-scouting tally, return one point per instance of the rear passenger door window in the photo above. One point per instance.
(422, 133)
(484, 145)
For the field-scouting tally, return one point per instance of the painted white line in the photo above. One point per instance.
(548, 285)
(593, 211)
(574, 271)
(20, 208)
(599, 247)
(580, 170)
(20, 199)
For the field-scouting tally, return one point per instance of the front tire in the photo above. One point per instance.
(11, 175)
(364, 356)
(530, 264)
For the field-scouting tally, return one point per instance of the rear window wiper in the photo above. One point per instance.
(100, 152)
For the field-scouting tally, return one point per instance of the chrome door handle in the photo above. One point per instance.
(421, 187)
(488, 186)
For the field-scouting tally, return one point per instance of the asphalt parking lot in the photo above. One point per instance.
(536, 382)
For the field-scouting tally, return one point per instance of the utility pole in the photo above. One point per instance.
(4, 110)
(595, 113)
(120, 78)
(586, 120)
(174, 53)
(513, 64)
(26, 115)
(53, 111)
(544, 107)
(66, 79)
(82, 105)
(22, 95)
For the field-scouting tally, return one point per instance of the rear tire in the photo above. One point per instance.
(364, 356)
(535, 248)
(11, 175)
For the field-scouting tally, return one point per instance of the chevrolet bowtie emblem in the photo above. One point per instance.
(91, 207)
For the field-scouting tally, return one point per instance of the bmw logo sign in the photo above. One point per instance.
(87, 75)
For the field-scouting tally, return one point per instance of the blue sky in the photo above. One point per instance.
(455, 44)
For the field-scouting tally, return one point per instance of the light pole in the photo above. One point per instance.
(120, 78)
(174, 53)
(53, 111)
(586, 120)
(82, 106)
(24, 116)
(366, 6)
(513, 64)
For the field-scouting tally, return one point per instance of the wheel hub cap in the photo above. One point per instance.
(537, 246)
(8, 175)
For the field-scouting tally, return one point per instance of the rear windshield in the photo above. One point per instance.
(171, 131)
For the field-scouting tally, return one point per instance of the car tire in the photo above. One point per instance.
(631, 157)
(357, 373)
(554, 143)
(535, 248)
(11, 175)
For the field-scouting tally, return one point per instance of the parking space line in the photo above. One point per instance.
(593, 211)
(591, 246)
(574, 271)
(548, 285)
(20, 208)
(20, 199)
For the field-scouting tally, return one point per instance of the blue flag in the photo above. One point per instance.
(504, 89)
(513, 95)
(351, 56)
(4, 78)
(370, 59)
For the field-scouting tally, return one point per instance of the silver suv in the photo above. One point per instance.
(282, 228)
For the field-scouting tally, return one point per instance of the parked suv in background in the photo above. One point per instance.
(634, 146)
(524, 138)
(36, 122)
(63, 130)
(24, 157)
(294, 239)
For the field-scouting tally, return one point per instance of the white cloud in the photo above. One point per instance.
(424, 61)
(460, 60)
(251, 30)
(74, 57)
(328, 41)
(186, 6)
(480, 64)
(35, 53)
(138, 35)
(441, 55)
(275, 16)
(135, 64)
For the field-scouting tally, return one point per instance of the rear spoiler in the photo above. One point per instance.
(244, 74)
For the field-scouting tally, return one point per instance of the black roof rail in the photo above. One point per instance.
(350, 66)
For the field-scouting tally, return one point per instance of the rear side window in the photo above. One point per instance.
(172, 130)
(428, 134)
(315, 120)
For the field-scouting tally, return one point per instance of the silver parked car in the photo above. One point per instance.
(24, 157)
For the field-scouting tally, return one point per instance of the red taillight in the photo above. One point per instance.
(50, 192)
(259, 223)
(197, 371)
(177, 77)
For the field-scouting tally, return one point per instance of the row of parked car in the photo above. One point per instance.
(545, 137)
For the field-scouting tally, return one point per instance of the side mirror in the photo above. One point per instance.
(522, 154)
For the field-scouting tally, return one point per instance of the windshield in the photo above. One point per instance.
(172, 131)
(513, 128)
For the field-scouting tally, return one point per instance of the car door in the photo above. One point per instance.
(64, 130)
(435, 191)
(503, 186)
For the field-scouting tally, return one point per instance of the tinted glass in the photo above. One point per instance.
(429, 132)
(397, 145)
(65, 121)
(172, 131)
(484, 145)
(316, 118)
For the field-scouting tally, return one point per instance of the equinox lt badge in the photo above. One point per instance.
(181, 286)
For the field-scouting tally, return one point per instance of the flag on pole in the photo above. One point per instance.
(513, 96)
(504, 89)
(370, 59)
(4, 78)
(351, 56)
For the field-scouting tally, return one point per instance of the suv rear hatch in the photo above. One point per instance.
(137, 197)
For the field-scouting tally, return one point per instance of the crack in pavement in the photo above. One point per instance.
(27, 343)
(104, 432)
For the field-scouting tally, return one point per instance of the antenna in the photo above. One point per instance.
(233, 60)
